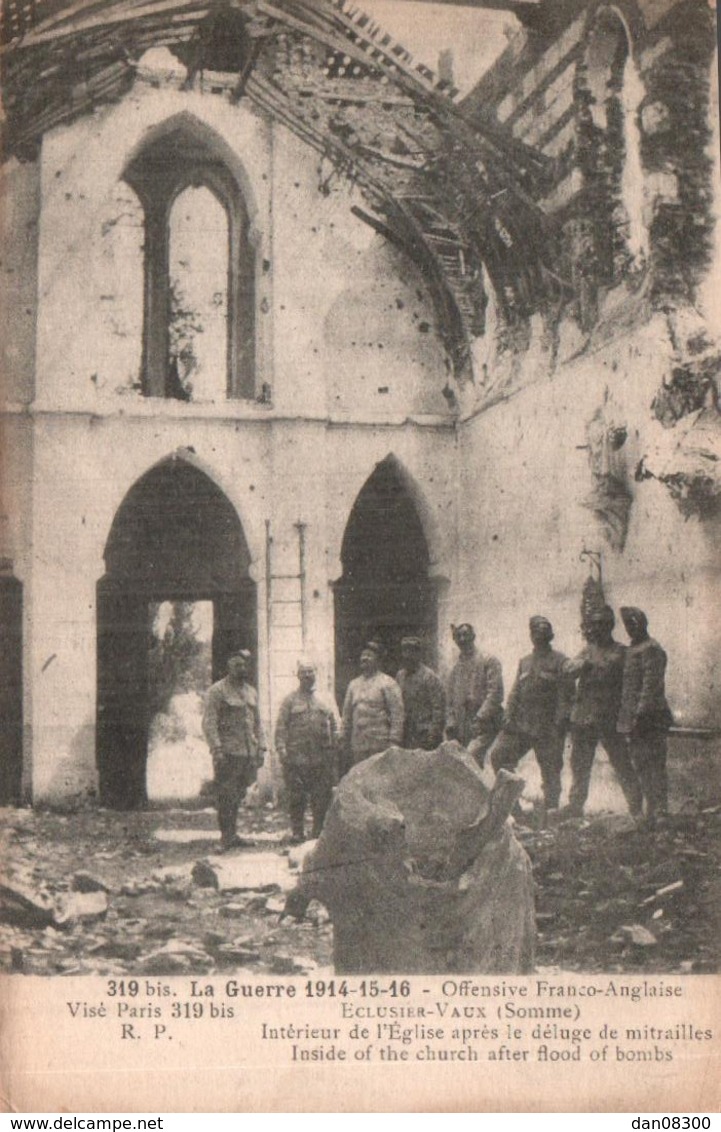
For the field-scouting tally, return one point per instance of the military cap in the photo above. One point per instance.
(411, 643)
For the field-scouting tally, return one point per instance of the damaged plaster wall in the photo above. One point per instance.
(527, 474)
(19, 218)
(345, 321)
(19, 215)
(91, 230)
(622, 109)
(281, 470)
(326, 414)
(20, 195)
(595, 423)
(353, 322)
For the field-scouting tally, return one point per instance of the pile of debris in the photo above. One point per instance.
(136, 915)
(613, 896)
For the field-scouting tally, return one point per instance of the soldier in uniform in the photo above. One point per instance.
(372, 711)
(424, 700)
(474, 694)
(305, 739)
(599, 671)
(644, 718)
(232, 728)
(537, 712)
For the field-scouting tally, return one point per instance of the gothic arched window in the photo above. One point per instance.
(199, 320)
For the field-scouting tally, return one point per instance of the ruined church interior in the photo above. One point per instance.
(317, 335)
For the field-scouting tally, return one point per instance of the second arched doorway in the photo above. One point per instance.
(175, 539)
(385, 591)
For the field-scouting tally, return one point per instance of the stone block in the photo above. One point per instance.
(185, 836)
(419, 868)
(248, 872)
(86, 882)
(24, 907)
(638, 935)
(81, 907)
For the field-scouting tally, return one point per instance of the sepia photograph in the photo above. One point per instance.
(360, 522)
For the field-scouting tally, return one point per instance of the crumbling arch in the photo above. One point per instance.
(180, 154)
(386, 589)
(175, 537)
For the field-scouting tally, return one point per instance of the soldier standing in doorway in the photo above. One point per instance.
(537, 712)
(424, 700)
(305, 739)
(594, 715)
(474, 694)
(372, 711)
(232, 728)
(645, 717)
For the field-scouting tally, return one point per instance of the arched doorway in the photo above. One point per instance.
(175, 538)
(385, 591)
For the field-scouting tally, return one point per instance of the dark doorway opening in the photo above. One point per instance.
(11, 690)
(175, 538)
(384, 592)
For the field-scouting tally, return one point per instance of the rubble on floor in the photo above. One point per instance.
(615, 896)
(151, 904)
(597, 883)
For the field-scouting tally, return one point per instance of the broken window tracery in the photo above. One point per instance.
(198, 283)
(609, 94)
(199, 317)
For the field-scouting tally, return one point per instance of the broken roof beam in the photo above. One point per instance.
(529, 12)
(516, 6)
(82, 18)
(380, 54)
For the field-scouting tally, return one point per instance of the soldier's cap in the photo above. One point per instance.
(538, 621)
(635, 612)
(241, 654)
(464, 627)
(305, 663)
(604, 614)
(373, 646)
(411, 643)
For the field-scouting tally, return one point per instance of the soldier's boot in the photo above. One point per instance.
(227, 817)
(296, 810)
(297, 827)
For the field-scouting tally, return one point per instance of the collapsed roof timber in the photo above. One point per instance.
(454, 196)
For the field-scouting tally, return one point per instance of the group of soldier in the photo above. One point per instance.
(612, 694)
